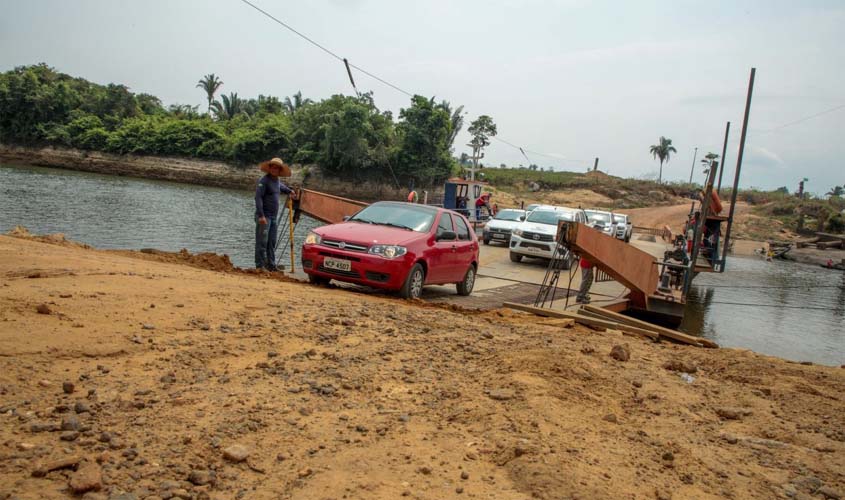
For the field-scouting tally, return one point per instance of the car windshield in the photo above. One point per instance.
(532, 206)
(598, 217)
(548, 216)
(619, 218)
(509, 215)
(414, 218)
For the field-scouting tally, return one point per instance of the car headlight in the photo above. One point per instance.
(517, 232)
(313, 238)
(388, 251)
(486, 229)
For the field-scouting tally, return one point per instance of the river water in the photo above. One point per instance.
(784, 309)
(128, 213)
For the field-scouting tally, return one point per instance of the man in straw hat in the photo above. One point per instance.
(267, 209)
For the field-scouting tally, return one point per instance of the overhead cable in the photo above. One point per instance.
(801, 120)
(371, 75)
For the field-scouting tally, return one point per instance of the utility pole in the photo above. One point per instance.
(724, 151)
(476, 155)
(726, 244)
(692, 169)
(596, 165)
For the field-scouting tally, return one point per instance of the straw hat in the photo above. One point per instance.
(275, 162)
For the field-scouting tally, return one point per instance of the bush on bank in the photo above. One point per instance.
(348, 136)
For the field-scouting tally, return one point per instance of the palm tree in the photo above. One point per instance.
(211, 84)
(662, 151)
(231, 107)
(836, 191)
(457, 120)
(707, 161)
(291, 105)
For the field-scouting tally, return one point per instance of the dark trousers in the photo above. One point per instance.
(265, 244)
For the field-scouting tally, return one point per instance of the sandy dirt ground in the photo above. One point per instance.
(135, 376)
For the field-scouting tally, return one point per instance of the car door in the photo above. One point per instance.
(441, 256)
(465, 248)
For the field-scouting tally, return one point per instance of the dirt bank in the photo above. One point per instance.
(750, 231)
(192, 171)
(814, 256)
(169, 381)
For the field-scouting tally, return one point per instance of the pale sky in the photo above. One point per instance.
(571, 79)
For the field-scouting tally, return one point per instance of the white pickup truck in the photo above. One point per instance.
(535, 236)
(624, 227)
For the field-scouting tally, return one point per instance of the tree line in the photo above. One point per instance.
(347, 136)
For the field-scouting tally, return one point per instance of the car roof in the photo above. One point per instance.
(412, 205)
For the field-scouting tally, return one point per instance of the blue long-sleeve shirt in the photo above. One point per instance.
(267, 196)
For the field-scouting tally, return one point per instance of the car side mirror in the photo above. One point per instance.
(346, 218)
(521, 217)
(447, 236)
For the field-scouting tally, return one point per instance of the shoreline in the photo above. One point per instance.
(190, 171)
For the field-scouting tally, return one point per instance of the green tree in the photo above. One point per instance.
(481, 130)
(291, 105)
(230, 107)
(423, 134)
(836, 191)
(210, 83)
(662, 151)
(456, 118)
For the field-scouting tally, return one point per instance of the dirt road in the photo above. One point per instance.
(161, 380)
(749, 228)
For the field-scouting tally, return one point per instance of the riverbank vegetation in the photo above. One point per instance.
(347, 136)
(804, 214)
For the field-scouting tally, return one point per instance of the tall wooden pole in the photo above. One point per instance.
(724, 152)
(291, 225)
(738, 167)
(692, 168)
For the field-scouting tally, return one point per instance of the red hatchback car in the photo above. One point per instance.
(395, 246)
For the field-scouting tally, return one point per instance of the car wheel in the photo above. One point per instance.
(486, 241)
(628, 239)
(465, 286)
(318, 280)
(412, 288)
(515, 257)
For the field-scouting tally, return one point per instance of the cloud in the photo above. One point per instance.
(758, 156)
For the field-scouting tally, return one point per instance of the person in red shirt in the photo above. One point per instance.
(482, 201)
(586, 281)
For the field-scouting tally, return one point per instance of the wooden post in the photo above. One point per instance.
(699, 230)
(724, 152)
(738, 167)
(290, 220)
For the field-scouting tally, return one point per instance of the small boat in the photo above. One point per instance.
(835, 267)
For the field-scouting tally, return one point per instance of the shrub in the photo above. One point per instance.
(94, 139)
(836, 224)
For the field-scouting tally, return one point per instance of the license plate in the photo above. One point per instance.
(498, 236)
(337, 264)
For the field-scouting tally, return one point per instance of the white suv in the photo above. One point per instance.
(535, 236)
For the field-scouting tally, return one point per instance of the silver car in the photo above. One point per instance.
(500, 226)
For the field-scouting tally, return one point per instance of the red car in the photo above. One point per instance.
(395, 246)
